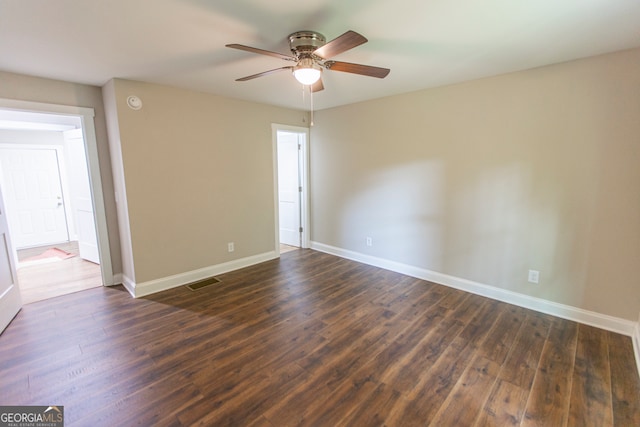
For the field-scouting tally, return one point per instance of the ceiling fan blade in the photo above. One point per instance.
(317, 86)
(264, 73)
(365, 70)
(261, 51)
(342, 43)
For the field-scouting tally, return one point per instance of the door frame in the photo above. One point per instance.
(86, 116)
(304, 175)
(10, 299)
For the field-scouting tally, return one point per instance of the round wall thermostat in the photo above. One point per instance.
(134, 102)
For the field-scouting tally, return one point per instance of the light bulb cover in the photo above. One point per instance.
(307, 72)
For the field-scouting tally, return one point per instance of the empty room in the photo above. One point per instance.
(328, 213)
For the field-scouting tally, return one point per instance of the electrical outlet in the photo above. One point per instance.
(369, 241)
(534, 276)
(230, 247)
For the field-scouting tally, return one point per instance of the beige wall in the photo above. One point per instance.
(198, 171)
(34, 89)
(488, 179)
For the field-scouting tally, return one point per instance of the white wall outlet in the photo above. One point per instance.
(534, 276)
(230, 247)
(369, 241)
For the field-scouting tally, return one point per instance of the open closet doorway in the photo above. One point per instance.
(291, 146)
(48, 161)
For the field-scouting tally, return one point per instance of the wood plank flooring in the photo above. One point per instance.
(47, 280)
(314, 340)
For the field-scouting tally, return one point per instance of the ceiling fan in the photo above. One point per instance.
(312, 54)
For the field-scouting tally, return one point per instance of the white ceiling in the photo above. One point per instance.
(425, 43)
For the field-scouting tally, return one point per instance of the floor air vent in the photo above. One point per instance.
(203, 283)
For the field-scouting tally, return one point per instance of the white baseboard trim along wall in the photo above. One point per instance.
(636, 343)
(152, 286)
(603, 321)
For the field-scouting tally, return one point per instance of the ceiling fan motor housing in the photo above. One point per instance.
(305, 42)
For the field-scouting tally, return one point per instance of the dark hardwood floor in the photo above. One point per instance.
(316, 340)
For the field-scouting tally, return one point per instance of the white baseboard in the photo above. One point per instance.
(117, 279)
(636, 344)
(129, 285)
(152, 286)
(603, 321)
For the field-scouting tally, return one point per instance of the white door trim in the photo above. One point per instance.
(304, 174)
(10, 300)
(91, 146)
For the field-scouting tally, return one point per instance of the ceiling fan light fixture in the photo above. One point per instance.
(311, 54)
(307, 71)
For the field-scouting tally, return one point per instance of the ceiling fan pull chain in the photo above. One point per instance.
(311, 98)
(304, 94)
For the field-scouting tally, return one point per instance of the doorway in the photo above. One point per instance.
(44, 185)
(78, 256)
(291, 186)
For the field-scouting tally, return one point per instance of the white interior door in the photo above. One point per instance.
(10, 301)
(81, 196)
(289, 188)
(34, 193)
